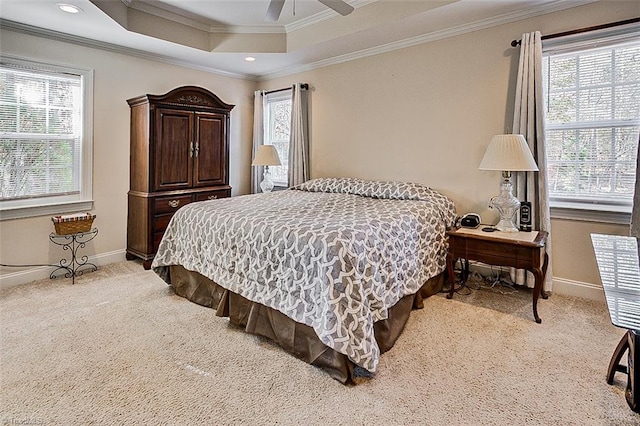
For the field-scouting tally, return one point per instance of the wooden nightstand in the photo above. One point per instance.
(522, 250)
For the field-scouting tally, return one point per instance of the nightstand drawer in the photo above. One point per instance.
(492, 252)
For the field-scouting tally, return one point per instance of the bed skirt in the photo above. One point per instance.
(296, 338)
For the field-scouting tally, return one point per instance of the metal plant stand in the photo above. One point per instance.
(77, 265)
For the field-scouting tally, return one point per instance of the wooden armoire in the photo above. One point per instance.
(179, 154)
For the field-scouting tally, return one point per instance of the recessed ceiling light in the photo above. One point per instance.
(69, 8)
(249, 59)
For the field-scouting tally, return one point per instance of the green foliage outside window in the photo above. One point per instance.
(593, 115)
(279, 129)
(40, 136)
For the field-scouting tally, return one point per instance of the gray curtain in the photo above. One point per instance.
(635, 214)
(528, 120)
(299, 137)
(258, 138)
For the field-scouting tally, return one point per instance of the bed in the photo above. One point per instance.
(330, 269)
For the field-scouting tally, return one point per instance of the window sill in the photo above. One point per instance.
(45, 210)
(569, 212)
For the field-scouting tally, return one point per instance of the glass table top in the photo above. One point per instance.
(619, 268)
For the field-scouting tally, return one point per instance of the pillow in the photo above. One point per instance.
(369, 188)
(393, 190)
(330, 185)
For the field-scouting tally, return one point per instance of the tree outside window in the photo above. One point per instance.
(277, 129)
(45, 143)
(593, 121)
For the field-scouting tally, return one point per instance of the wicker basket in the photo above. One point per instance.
(72, 225)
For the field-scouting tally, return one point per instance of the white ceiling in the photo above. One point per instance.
(217, 35)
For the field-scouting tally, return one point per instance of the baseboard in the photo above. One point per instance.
(28, 275)
(560, 285)
(578, 289)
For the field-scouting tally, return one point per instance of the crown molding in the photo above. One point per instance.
(148, 8)
(401, 44)
(86, 42)
(201, 23)
(507, 18)
(204, 25)
(323, 16)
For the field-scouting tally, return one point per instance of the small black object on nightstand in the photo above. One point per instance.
(470, 220)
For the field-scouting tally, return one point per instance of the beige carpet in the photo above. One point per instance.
(119, 347)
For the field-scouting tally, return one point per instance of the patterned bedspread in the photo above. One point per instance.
(334, 254)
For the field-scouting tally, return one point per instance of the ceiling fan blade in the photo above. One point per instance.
(274, 10)
(339, 6)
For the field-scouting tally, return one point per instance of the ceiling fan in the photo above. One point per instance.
(340, 6)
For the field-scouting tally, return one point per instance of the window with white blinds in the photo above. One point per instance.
(43, 149)
(592, 96)
(277, 127)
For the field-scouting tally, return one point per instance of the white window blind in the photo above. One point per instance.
(44, 152)
(592, 95)
(277, 129)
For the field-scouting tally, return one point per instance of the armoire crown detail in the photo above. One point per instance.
(195, 100)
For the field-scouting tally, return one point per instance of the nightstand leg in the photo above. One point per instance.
(539, 275)
(544, 274)
(451, 276)
(537, 272)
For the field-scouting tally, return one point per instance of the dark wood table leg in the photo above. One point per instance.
(544, 274)
(451, 276)
(537, 289)
(539, 275)
(614, 364)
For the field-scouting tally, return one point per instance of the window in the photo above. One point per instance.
(45, 138)
(277, 124)
(592, 96)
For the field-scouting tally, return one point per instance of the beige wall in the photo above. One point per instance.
(117, 78)
(427, 113)
(424, 114)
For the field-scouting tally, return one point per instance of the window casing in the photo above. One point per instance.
(592, 111)
(277, 126)
(45, 138)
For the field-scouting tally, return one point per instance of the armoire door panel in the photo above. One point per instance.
(210, 161)
(174, 149)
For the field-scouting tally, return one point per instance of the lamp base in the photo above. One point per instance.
(506, 204)
(267, 184)
(506, 225)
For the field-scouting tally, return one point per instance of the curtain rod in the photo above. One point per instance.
(515, 43)
(305, 86)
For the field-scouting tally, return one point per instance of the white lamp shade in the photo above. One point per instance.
(266, 156)
(508, 153)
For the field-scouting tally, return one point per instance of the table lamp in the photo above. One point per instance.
(266, 156)
(507, 153)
